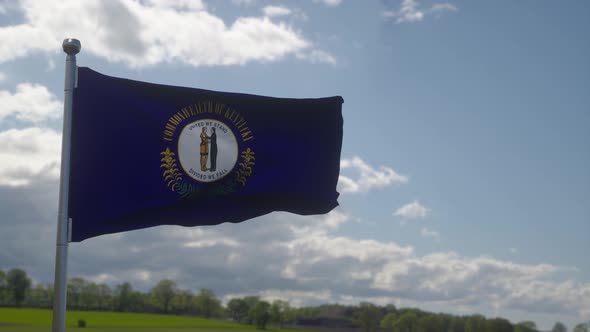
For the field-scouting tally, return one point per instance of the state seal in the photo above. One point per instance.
(212, 154)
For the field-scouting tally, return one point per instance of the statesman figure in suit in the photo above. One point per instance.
(204, 148)
(213, 151)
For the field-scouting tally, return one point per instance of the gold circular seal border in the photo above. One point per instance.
(171, 173)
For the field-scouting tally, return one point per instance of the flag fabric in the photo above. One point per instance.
(145, 154)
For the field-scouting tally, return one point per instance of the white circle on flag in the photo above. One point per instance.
(207, 150)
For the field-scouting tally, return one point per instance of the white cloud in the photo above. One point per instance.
(441, 8)
(330, 3)
(451, 278)
(34, 152)
(413, 210)
(13, 47)
(148, 33)
(272, 11)
(211, 242)
(243, 2)
(318, 56)
(2, 77)
(427, 232)
(190, 5)
(28, 153)
(550, 297)
(30, 102)
(409, 11)
(368, 178)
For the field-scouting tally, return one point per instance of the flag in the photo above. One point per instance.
(146, 154)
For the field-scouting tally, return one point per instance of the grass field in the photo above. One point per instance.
(36, 320)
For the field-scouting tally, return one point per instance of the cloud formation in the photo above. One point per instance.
(409, 11)
(368, 178)
(148, 33)
(28, 154)
(29, 103)
(413, 210)
(272, 11)
(301, 259)
(31, 152)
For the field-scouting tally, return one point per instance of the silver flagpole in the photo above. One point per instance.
(71, 47)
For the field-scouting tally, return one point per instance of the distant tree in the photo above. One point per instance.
(17, 283)
(388, 321)
(104, 294)
(559, 327)
(39, 296)
(89, 296)
(184, 302)
(499, 325)
(75, 288)
(407, 322)
(3, 288)
(312, 312)
(445, 321)
(251, 302)
(475, 323)
(583, 327)
(526, 326)
(238, 309)
(139, 302)
(290, 315)
(457, 324)
(163, 293)
(50, 294)
(261, 314)
(388, 309)
(430, 323)
(369, 316)
(349, 311)
(123, 297)
(280, 312)
(207, 303)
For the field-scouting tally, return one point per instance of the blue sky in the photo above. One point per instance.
(465, 183)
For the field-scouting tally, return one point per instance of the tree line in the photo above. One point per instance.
(16, 289)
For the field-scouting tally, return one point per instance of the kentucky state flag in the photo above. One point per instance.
(146, 154)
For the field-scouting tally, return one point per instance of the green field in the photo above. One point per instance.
(36, 320)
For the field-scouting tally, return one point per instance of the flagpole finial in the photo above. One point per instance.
(71, 46)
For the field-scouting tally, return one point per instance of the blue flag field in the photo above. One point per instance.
(145, 154)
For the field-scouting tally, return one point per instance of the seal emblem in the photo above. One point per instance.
(207, 150)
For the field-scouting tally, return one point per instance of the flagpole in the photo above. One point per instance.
(71, 47)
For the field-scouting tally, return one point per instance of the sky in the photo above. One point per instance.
(465, 182)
